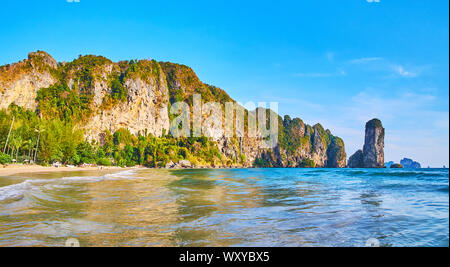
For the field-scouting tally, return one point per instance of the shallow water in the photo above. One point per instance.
(227, 207)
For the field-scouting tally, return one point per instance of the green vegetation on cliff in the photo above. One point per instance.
(183, 83)
(307, 163)
(60, 140)
(374, 123)
(70, 102)
(295, 137)
(291, 134)
(59, 101)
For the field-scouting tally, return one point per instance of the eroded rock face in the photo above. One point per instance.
(336, 156)
(145, 111)
(150, 91)
(20, 82)
(373, 151)
(23, 91)
(356, 160)
(319, 148)
(305, 146)
(372, 155)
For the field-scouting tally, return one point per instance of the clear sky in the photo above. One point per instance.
(340, 63)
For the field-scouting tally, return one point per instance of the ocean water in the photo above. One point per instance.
(227, 207)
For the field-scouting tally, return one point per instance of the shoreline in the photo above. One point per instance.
(24, 169)
(13, 169)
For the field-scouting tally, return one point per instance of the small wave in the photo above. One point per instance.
(443, 189)
(407, 174)
(319, 171)
(94, 179)
(16, 192)
(13, 192)
(356, 172)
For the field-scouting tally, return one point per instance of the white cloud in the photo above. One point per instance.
(365, 60)
(314, 75)
(400, 70)
(330, 56)
(320, 74)
(379, 64)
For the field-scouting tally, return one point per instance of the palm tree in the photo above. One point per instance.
(39, 130)
(12, 144)
(16, 143)
(28, 145)
(9, 133)
(19, 145)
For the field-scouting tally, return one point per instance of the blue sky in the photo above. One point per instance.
(339, 63)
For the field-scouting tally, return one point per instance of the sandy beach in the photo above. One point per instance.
(6, 170)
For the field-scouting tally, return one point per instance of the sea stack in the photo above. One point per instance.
(373, 151)
(372, 155)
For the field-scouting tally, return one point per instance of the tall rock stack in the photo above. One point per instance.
(372, 155)
(373, 151)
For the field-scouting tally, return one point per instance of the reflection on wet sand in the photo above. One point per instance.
(162, 208)
(138, 211)
(240, 207)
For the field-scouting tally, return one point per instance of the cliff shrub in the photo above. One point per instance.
(59, 101)
(262, 163)
(374, 123)
(307, 163)
(118, 91)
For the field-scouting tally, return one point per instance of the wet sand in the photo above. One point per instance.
(6, 170)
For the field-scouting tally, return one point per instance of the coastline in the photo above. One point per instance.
(7, 170)
(13, 169)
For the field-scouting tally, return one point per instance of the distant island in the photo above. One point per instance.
(389, 164)
(410, 164)
(396, 166)
(405, 163)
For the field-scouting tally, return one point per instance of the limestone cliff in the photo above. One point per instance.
(19, 82)
(301, 145)
(356, 160)
(374, 145)
(372, 155)
(137, 95)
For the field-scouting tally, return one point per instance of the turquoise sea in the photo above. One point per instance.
(227, 207)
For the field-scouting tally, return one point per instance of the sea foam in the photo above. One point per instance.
(16, 192)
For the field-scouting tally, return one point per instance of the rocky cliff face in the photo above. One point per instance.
(374, 145)
(301, 145)
(137, 95)
(20, 82)
(356, 160)
(144, 111)
(372, 155)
